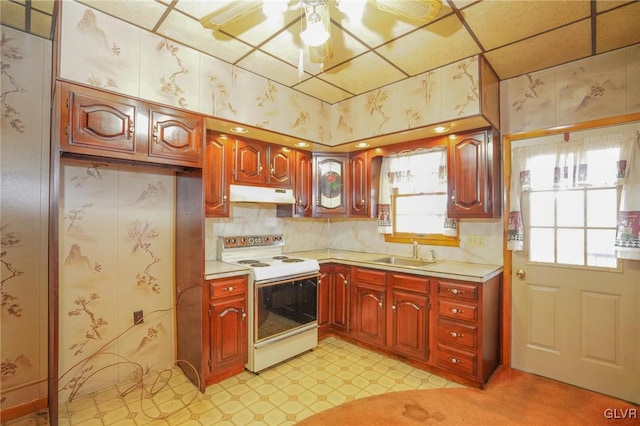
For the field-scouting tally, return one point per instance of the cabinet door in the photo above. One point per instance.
(331, 182)
(340, 297)
(176, 136)
(215, 176)
(96, 123)
(249, 162)
(228, 332)
(473, 176)
(360, 185)
(324, 301)
(409, 324)
(370, 312)
(303, 185)
(281, 167)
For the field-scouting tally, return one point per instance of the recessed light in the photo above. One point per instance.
(302, 144)
(239, 129)
(362, 145)
(440, 129)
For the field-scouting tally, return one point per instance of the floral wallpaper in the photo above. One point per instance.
(24, 183)
(116, 257)
(601, 86)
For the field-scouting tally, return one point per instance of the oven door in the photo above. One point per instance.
(285, 307)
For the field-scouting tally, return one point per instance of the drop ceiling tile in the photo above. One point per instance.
(546, 50)
(376, 26)
(496, 24)
(13, 15)
(322, 90)
(438, 44)
(364, 73)
(269, 67)
(604, 5)
(188, 31)
(256, 28)
(40, 24)
(140, 13)
(45, 6)
(287, 45)
(618, 28)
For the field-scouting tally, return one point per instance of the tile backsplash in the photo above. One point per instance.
(480, 240)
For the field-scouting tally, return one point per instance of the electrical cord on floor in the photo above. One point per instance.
(140, 382)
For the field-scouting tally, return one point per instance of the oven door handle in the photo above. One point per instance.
(283, 336)
(285, 280)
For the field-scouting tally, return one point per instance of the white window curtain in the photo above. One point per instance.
(422, 171)
(596, 161)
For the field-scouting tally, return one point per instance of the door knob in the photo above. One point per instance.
(520, 273)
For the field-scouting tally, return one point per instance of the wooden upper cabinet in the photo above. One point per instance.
(360, 185)
(176, 135)
(98, 123)
(330, 185)
(215, 174)
(249, 162)
(474, 175)
(281, 166)
(303, 185)
(258, 163)
(93, 122)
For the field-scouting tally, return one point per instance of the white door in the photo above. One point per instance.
(575, 308)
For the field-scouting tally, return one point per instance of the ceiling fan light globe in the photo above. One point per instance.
(315, 34)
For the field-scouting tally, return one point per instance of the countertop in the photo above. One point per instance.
(441, 268)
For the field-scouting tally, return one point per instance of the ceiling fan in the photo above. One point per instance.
(317, 33)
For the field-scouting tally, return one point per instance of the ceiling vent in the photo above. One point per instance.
(414, 10)
(230, 13)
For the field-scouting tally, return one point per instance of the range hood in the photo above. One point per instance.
(260, 194)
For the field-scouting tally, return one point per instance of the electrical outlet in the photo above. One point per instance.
(138, 318)
(475, 240)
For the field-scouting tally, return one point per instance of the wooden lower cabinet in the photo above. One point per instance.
(227, 332)
(467, 322)
(334, 298)
(445, 325)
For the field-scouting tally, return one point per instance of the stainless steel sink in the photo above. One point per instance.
(404, 261)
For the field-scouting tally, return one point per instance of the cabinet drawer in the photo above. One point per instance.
(410, 283)
(226, 288)
(458, 290)
(452, 333)
(369, 275)
(456, 310)
(457, 361)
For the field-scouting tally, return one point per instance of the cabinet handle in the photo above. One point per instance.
(155, 135)
(453, 197)
(456, 361)
(273, 170)
(244, 314)
(231, 288)
(132, 129)
(346, 282)
(394, 307)
(456, 335)
(456, 311)
(455, 291)
(381, 305)
(260, 170)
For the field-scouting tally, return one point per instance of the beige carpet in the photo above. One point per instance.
(511, 398)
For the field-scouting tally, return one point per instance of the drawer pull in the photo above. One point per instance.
(228, 288)
(456, 361)
(456, 335)
(455, 291)
(456, 311)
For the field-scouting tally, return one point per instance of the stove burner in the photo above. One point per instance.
(248, 261)
(291, 260)
(259, 265)
(279, 257)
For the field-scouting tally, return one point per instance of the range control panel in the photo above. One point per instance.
(252, 241)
